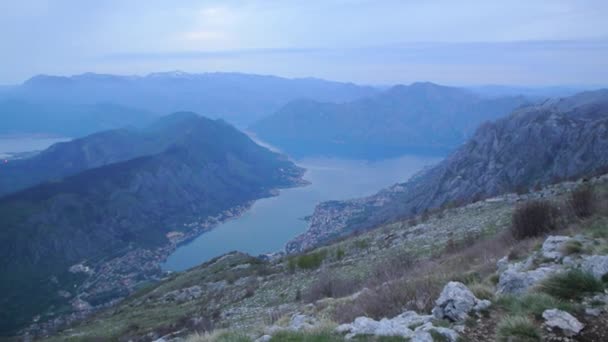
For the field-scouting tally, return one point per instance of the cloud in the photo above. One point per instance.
(322, 38)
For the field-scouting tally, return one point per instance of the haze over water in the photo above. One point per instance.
(271, 222)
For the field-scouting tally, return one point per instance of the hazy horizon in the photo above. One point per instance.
(545, 43)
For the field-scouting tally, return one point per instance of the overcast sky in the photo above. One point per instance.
(532, 42)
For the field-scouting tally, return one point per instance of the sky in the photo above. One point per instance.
(532, 42)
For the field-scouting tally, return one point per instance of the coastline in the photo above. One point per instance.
(128, 273)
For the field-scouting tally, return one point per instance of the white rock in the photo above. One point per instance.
(515, 282)
(410, 318)
(569, 325)
(456, 301)
(421, 336)
(502, 264)
(593, 312)
(482, 304)
(449, 334)
(551, 248)
(596, 265)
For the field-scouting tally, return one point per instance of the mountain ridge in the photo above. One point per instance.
(534, 146)
(422, 118)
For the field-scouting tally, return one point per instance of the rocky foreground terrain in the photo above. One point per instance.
(452, 275)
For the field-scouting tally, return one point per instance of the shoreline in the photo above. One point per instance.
(117, 275)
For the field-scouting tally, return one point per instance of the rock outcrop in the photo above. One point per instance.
(567, 323)
(596, 265)
(456, 302)
(408, 325)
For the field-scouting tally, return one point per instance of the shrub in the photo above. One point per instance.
(571, 247)
(331, 285)
(391, 267)
(534, 218)
(582, 201)
(482, 291)
(362, 244)
(390, 299)
(291, 264)
(339, 254)
(517, 328)
(531, 304)
(573, 284)
(598, 228)
(312, 260)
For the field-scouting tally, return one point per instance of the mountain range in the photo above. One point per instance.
(423, 118)
(52, 103)
(534, 146)
(119, 191)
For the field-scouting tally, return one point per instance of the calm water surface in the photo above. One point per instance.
(271, 222)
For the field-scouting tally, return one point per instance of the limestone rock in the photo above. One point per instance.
(551, 248)
(513, 281)
(456, 301)
(502, 264)
(596, 265)
(568, 324)
(421, 336)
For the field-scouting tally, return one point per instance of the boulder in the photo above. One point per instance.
(411, 318)
(513, 281)
(502, 264)
(401, 325)
(551, 248)
(596, 265)
(368, 326)
(456, 302)
(421, 336)
(567, 323)
(450, 335)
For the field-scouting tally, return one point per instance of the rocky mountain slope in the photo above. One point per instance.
(423, 118)
(59, 234)
(533, 146)
(455, 275)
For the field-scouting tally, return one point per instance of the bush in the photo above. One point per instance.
(582, 201)
(533, 219)
(391, 267)
(571, 247)
(340, 254)
(532, 304)
(517, 328)
(331, 285)
(482, 291)
(390, 299)
(573, 284)
(311, 261)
